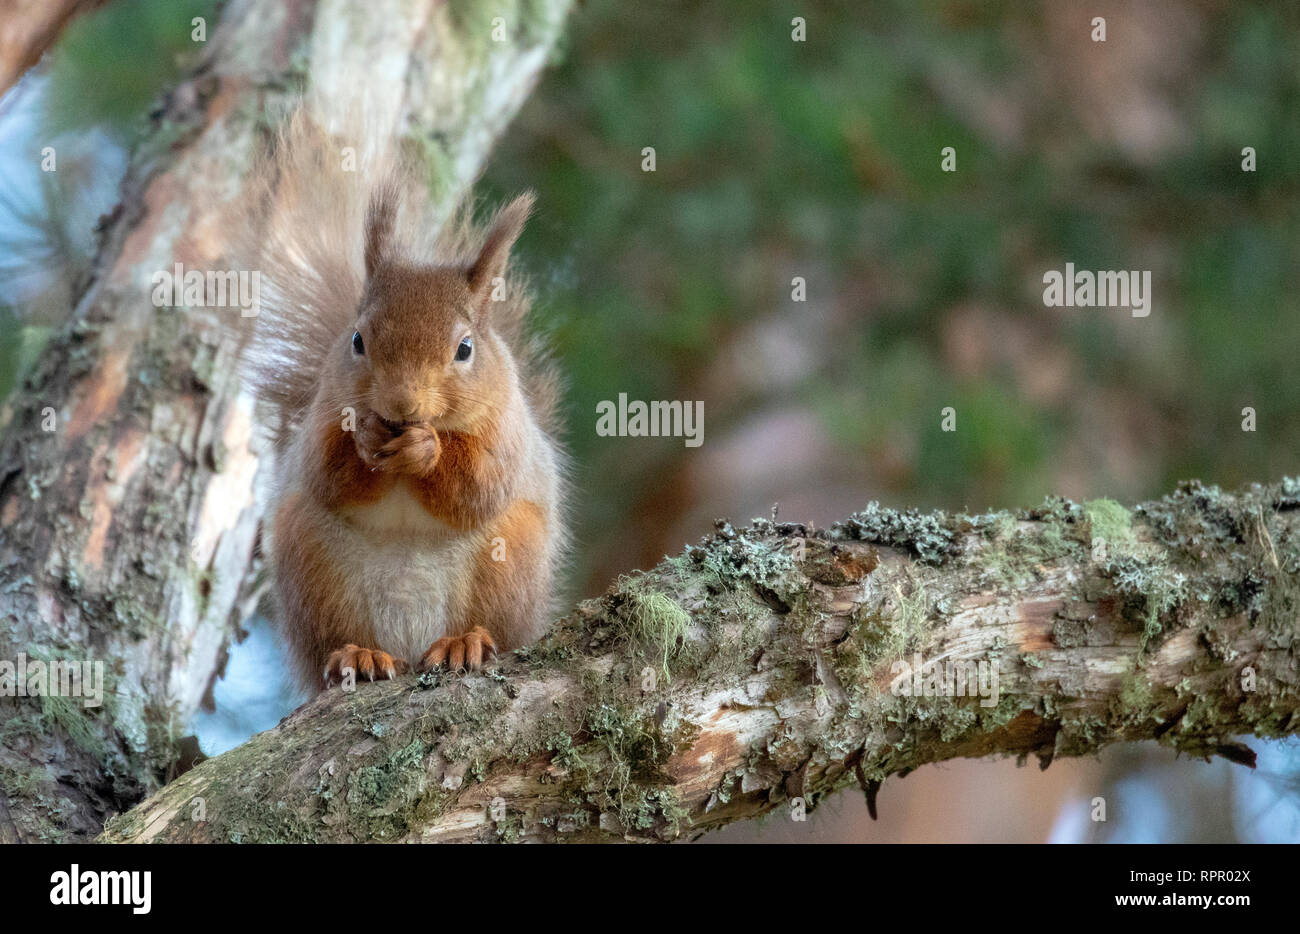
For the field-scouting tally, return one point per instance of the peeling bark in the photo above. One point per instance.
(761, 667)
(127, 533)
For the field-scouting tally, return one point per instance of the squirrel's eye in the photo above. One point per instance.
(358, 345)
(465, 349)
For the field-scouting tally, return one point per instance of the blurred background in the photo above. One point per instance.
(820, 159)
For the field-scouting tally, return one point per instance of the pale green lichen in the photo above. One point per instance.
(913, 611)
(657, 625)
(1110, 522)
(1153, 586)
(927, 535)
(1017, 548)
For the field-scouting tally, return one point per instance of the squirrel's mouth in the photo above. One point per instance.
(427, 419)
(398, 427)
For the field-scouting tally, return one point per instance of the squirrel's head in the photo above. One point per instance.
(424, 350)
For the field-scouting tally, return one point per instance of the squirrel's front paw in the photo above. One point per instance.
(371, 435)
(468, 650)
(413, 449)
(365, 663)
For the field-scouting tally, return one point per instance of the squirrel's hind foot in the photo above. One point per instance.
(469, 650)
(365, 663)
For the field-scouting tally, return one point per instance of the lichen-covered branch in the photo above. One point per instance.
(777, 662)
(128, 464)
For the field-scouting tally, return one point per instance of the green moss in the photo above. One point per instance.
(527, 22)
(957, 721)
(614, 761)
(375, 784)
(1111, 522)
(275, 822)
(1017, 548)
(631, 743)
(913, 612)
(655, 804)
(564, 755)
(608, 743)
(510, 829)
(69, 714)
(1082, 735)
(658, 626)
(1136, 701)
(1008, 707)
(89, 728)
(44, 812)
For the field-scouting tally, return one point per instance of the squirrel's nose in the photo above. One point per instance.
(401, 407)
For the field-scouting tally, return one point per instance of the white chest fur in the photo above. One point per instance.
(398, 513)
(413, 570)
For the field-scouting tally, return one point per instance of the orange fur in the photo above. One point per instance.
(508, 592)
(470, 486)
(313, 594)
(339, 477)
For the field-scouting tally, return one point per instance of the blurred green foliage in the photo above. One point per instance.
(108, 67)
(822, 158)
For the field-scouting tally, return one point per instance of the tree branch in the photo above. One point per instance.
(761, 669)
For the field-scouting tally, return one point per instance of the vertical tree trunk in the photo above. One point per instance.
(129, 504)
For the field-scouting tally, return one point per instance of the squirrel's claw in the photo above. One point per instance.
(414, 449)
(365, 663)
(464, 651)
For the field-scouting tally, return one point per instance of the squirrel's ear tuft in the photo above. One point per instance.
(502, 234)
(379, 225)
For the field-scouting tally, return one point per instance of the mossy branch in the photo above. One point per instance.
(762, 670)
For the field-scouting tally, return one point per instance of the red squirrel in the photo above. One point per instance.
(417, 512)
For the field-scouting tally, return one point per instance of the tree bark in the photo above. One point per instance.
(128, 464)
(28, 28)
(763, 670)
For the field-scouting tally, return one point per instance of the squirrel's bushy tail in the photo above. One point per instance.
(303, 230)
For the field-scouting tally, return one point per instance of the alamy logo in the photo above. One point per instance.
(58, 677)
(942, 678)
(1105, 289)
(637, 419)
(194, 288)
(75, 887)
